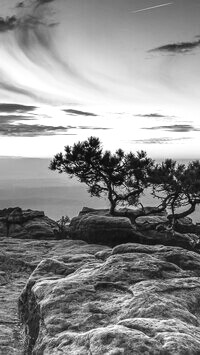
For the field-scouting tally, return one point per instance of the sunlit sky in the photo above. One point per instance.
(126, 71)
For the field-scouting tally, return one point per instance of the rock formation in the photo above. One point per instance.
(18, 259)
(133, 299)
(97, 226)
(102, 229)
(118, 298)
(28, 224)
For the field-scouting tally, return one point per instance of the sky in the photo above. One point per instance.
(126, 71)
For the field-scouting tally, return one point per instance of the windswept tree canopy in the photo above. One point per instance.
(177, 186)
(122, 177)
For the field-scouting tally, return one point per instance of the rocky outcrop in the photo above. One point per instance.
(103, 229)
(133, 299)
(18, 259)
(28, 224)
(185, 225)
(98, 226)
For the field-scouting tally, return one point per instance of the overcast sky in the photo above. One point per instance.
(124, 70)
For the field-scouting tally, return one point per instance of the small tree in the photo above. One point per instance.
(177, 186)
(121, 177)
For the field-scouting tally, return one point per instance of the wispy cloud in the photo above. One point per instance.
(94, 128)
(13, 126)
(164, 140)
(10, 108)
(14, 89)
(8, 23)
(175, 128)
(176, 48)
(44, 1)
(77, 112)
(151, 115)
(7, 119)
(24, 130)
(152, 7)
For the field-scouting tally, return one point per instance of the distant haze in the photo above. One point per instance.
(28, 183)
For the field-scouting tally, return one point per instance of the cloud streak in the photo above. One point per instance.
(7, 119)
(151, 115)
(178, 48)
(11, 108)
(175, 128)
(12, 126)
(24, 130)
(152, 7)
(41, 2)
(79, 113)
(164, 140)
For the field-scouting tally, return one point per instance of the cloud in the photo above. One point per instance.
(7, 24)
(41, 2)
(176, 48)
(20, 4)
(175, 128)
(11, 126)
(11, 108)
(164, 140)
(18, 90)
(94, 128)
(81, 113)
(7, 119)
(24, 130)
(28, 21)
(151, 115)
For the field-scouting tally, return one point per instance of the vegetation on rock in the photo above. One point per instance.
(177, 186)
(123, 177)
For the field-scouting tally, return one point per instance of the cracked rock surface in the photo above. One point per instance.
(132, 299)
(18, 259)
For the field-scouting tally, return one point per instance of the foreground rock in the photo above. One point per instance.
(134, 299)
(27, 224)
(18, 259)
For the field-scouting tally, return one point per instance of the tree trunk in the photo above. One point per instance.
(112, 208)
(184, 214)
(112, 201)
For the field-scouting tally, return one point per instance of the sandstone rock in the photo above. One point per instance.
(131, 213)
(97, 226)
(103, 229)
(150, 222)
(188, 241)
(18, 258)
(28, 224)
(136, 299)
(185, 225)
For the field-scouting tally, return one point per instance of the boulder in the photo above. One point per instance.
(169, 237)
(28, 224)
(131, 213)
(98, 226)
(151, 222)
(18, 258)
(185, 225)
(137, 299)
(103, 229)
